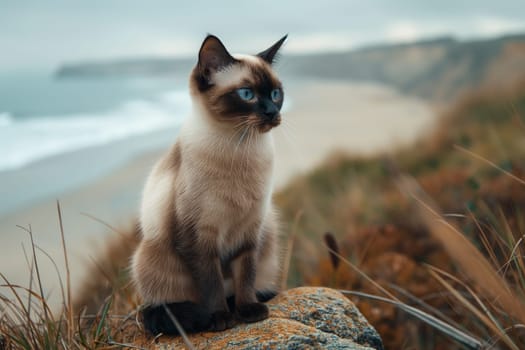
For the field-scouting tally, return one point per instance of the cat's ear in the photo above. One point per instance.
(269, 54)
(213, 56)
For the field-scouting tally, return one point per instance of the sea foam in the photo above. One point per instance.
(26, 140)
(5, 119)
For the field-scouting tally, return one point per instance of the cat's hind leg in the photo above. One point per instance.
(267, 282)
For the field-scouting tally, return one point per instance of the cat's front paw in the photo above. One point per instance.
(221, 320)
(252, 312)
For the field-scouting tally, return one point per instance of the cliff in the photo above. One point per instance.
(437, 69)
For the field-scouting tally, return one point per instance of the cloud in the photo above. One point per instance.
(403, 31)
(462, 27)
(410, 30)
(492, 26)
(315, 42)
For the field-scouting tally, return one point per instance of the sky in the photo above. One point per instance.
(36, 34)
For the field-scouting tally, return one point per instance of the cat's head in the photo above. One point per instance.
(238, 90)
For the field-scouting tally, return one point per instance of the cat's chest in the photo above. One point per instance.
(229, 194)
(230, 210)
(239, 174)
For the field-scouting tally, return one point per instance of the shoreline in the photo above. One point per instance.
(325, 116)
(69, 171)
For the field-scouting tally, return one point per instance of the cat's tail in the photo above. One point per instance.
(105, 272)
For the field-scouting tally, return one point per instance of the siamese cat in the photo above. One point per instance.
(208, 254)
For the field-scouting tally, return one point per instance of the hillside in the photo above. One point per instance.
(435, 69)
(125, 68)
(471, 169)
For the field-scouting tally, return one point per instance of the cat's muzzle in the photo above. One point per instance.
(269, 122)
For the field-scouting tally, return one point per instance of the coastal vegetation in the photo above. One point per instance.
(437, 225)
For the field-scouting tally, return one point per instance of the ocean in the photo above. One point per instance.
(57, 134)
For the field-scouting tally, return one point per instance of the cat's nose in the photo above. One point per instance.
(270, 112)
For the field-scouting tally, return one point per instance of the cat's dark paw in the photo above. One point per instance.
(265, 295)
(231, 302)
(191, 317)
(262, 296)
(221, 320)
(252, 312)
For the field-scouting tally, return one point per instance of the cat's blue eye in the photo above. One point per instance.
(276, 95)
(246, 94)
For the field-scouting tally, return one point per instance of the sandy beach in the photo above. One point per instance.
(323, 117)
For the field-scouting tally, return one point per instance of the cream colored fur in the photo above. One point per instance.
(218, 178)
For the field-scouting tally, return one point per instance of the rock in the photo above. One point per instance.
(300, 318)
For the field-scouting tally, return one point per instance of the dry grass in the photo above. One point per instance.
(448, 241)
(28, 322)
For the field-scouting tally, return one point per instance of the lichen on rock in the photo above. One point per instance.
(300, 318)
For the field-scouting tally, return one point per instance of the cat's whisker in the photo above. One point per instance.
(236, 138)
(241, 139)
(239, 142)
(248, 147)
(241, 124)
(253, 135)
(290, 122)
(289, 137)
(290, 125)
(239, 128)
(244, 123)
